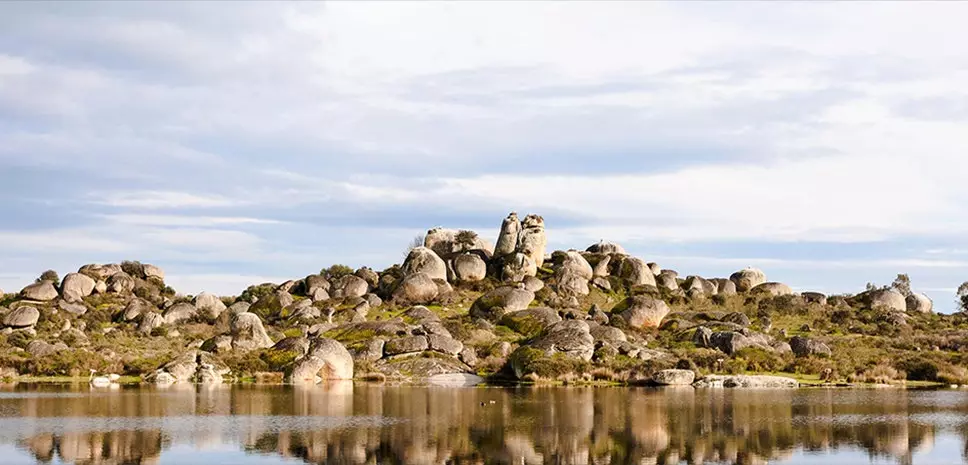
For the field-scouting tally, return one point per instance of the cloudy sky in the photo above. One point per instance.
(238, 143)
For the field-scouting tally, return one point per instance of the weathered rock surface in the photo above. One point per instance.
(888, 299)
(606, 248)
(531, 321)
(571, 338)
(636, 272)
(532, 240)
(814, 298)
(444, 344)
(642, 311)
(76, 286)
(135, 309)
(407, 344)
(424, 260)
(517, 267)
(24, 316)
(747, 279)
(248, 332)
(354, 286)
(469, 268)
(180, 312)
(507, 240)
(803, 347)
(416, 288)
(326, 360)
(150, 321)
(747, 381)
(919, 303)
(120, 283)
(773, 289)
(674, 377)
(493, 305)
(209, 306)
(421, 368)
(42, 291)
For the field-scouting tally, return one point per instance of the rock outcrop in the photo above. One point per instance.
(326, 360)
(24, 316)
(248, 332)
(919, 303)
(424, 260)
(76, 286)
(507, 240)
(532, 240)
(642, 311)
(803, 347)
(673, 377)
(42, 291)
(747, 279)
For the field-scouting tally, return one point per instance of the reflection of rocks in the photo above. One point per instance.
(539, 425)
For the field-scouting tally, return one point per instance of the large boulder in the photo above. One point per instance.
(730, 342)
(803, 347)
(747, 381)
(814, 298)
(636, 272)
(209, 306)
(773, 289)
(571, 284)
(889, 299)
(531, 321)
(444, 344)
(469, 267)
(507, 240)
(152, 271)
(724, 286)
(674, 377)
(494, 304)
(518, 266)
(919, 303)
(248, 332)
(135, 308)
(424, 260)
(609, 334)
(150, 321)
(570, 339)
(572, 262)
(120, 283)
(642, 311)
(700, 285)
(24, 316)
(352, 286)
(447, 243)
(76, 286)
(100, 272)
(406, 345)
(180, 312)
(666, 281)
(606, 248)
(416, 288)
(532, 240)
(326, 360)
(747, 279)
(42, 291)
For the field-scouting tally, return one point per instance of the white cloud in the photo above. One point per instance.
(161, 200)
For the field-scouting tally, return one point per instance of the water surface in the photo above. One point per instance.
(358, 424)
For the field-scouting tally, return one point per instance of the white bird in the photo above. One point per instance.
(99, 381)
(114, 377)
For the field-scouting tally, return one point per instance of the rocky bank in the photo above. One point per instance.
(460, 307)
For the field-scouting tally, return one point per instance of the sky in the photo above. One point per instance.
(233, 144)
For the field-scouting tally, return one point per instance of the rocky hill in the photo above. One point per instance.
(460, 306)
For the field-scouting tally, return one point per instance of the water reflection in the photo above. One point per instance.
(347, 424)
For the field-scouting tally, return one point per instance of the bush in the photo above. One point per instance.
(49, 275)
(335, 272)
(19, 339)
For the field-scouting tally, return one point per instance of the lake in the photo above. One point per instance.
(349, 424)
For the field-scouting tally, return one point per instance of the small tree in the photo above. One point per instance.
(963, 296)
(49, 275)
(335, 272)
(902, 284)
(417, 241)
(466, 239)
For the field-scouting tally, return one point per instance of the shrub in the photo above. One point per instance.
(133, 268)
(49, 275)
(257, 291)
(335, 272)
(19, 339)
